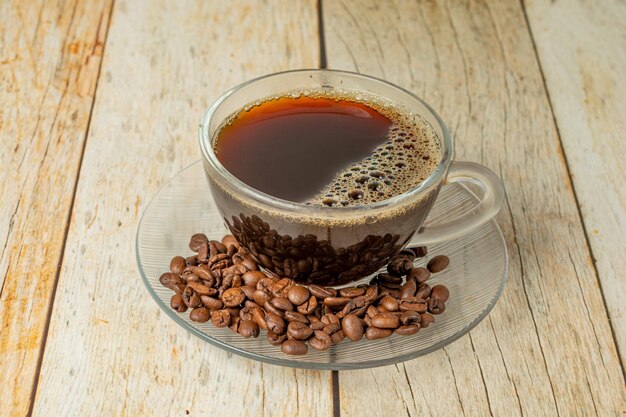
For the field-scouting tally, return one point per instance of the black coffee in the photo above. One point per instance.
(327, 149)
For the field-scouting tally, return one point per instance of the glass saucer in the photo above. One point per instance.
(475, 277)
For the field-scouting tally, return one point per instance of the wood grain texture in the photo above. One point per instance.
(109, 346)
(50, 56)
(582, 50)
(546, 348)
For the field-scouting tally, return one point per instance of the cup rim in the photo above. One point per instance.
(320, 211)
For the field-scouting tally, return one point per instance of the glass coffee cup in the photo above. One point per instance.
(338, 245)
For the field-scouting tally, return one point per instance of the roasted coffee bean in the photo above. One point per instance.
(329, 318)
(249, 263)
(275, 339)
(177, 264)
(389, 279)
(352, 292)
(221, 248)
(258, 315)
(320, 341)
(253, 277)
(400, 265)
(281, 287)
(407, 329)
(423, 292)
(177, 303)
(436, 305)
(331, 328)
(191, 261)
(389, 303)
(231, 250)
(220, 318)
(438, 263)
(440, 292)
(375, 333)
(235, 321)
(233, 297)
(248, 291)
(169, 279)
(298, 330)
(426, 320)
(260, 297)
(229, 240)
(386, 321)
(337, 337)
(237, 281)
(410, 317)
(270, 308)
(322, 292)
(246, 313)
(294, 316)
(316, 325)
(413, 304)
(211, 303)
(371, 293)
(420, 251)
(191, 298)
(275, 323)
(248, 328)
(298, 295)
(200, 314)
(203, 253)
(202, 289)
(197, 241)
(203, 272)
(282, 303)
(336, 302)
(408, 289)
(356, 306)
(265, 284)
(309, 306)
(293, 347)
(266, 261)
(419, 274)
(179, 288)
(352, 327)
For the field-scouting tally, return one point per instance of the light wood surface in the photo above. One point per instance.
(547, 347)
(109, 346)
(582, 49)
(531, 89)
(49, 65)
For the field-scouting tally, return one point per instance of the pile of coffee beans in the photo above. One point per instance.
(224, 284)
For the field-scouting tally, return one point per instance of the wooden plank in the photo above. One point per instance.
(109, 347)
(546, 348)
(582, 50)
(49, 62)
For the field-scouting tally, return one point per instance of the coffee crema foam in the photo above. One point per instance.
(411, 152)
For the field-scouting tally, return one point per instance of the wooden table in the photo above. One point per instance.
(99, 108)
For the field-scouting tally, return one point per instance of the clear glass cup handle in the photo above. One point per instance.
(490, 196)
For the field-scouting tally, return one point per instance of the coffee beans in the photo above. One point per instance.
(438, 263)
(386, 321)
(200, 314)
(440, 292)
(233, 297)
(352, 327)
(223, 284)
(248, 328)
(298, 295)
